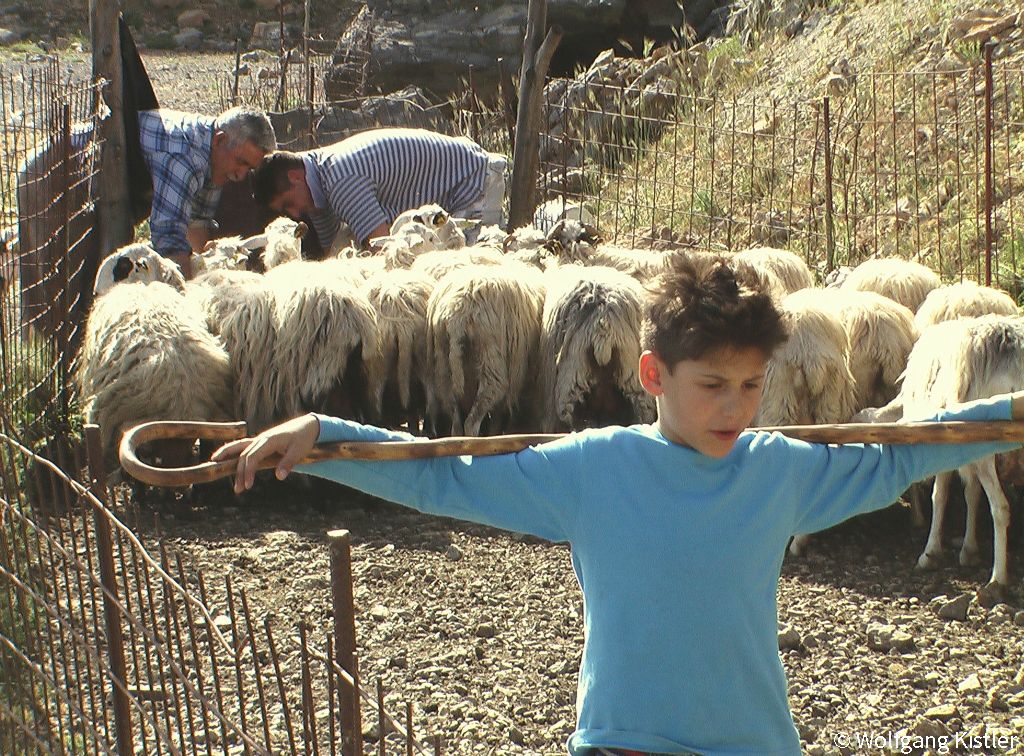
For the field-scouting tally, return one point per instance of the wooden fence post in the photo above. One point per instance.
(536, 59)
(108, 579)
(112, 206)
(343, 604)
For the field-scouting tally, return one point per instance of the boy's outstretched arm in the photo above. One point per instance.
(293, 440)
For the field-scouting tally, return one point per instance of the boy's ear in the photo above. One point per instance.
(650, 373)
(296, 175)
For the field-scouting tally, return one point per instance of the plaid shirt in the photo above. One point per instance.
(177, 151)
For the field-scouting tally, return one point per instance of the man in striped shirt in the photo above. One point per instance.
(190, 157)
(370, 178)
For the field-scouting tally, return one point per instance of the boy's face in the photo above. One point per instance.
(297, 201)
(705, 404)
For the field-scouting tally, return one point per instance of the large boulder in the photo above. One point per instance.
(433, 43)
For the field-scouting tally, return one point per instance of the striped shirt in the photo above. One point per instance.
(372, 177)
(177, 149)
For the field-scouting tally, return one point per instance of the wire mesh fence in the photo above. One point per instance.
(47, 259)
(924, 165)
(112, 645)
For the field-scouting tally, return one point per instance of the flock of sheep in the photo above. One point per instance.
(524, 332)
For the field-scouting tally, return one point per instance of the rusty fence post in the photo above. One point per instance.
(830, 242)
(988, 162)
(343, 604)
(111, 613)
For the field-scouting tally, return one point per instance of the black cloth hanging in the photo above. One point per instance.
(136, 94)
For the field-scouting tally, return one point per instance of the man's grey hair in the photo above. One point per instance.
(243, 124)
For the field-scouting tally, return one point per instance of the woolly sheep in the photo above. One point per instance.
(217, 293)
(249, 330)
(483, 325)
(590, 349)
(326, 340)
(784, 271)
(399, 298)
(439, 263)
(549, 213)
(148, 356)
(881, 334)
(962, 300)
(136, 263)
(808, 380)
(904, 281)
(958, 361)
(573, 242)
(446, 229)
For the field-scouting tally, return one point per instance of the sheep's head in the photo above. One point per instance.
(448, 230)
(134, 262)
(226, 253)
(571, 240)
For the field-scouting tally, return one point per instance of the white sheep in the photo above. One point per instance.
(483, 325)
(783, 271)
(136, 263)
(217, 293)
(808, 380)
(400, 299)
(963, 300)
(326, 340)
(959, 361)
(439, 263)
(249, 330)
(448, 230)
(573, 242)
(904, 281)
(549, 213)
(590, 349)
(148, 356)
(881, 333)
(280, 242)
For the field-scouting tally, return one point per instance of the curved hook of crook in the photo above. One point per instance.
(178, 476)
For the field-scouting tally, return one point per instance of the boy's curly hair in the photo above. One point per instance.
(707, 302)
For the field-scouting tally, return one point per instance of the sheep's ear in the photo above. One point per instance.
(590, 234)
(301, 229)
(440, 218)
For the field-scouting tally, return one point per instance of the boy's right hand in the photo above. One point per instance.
(293, 440)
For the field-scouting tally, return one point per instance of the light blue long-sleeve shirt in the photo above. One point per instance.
(678, 556)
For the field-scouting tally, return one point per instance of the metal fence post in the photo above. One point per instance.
(343, 604)
(988, 163)
(830, 249)
(111, 615)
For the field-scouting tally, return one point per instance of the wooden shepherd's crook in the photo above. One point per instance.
(848, 433)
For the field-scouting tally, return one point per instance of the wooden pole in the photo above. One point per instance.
(343, 605)
(111, 613)
(537, 51)
(113, 210)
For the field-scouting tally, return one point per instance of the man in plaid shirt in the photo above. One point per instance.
(190, 157)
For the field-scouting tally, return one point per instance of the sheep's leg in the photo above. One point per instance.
(932, 555)
(917, 499)
(491, 389)
(970, 554)
(1000, 508)
(798, 546)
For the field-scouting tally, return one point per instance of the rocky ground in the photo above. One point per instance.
(482, 629)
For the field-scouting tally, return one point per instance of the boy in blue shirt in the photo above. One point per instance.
(678, 529)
